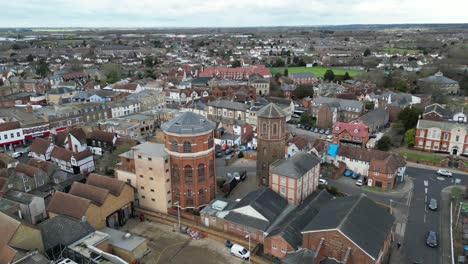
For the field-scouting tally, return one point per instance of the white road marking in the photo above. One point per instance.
(426, 183)
(425, 190)
(403, 229)
(457, 181)
(441, 178)
(425, 198)
(424, 218)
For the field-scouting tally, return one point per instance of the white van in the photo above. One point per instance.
(240, 251)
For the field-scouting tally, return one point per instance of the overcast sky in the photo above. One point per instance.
(232, 13)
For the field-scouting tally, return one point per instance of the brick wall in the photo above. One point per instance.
(276, 246)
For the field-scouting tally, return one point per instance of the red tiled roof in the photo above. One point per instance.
(65, 154)
(9, 126)
(213, 71)
(95, 194)
(40, 145)
(126, 86)
(113, 185)
(27, 169)
(355, 129)
(69, 205)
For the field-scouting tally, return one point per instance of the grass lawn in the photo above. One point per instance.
(401, 51)
(318, 71)
(372, 188)
(421, 156)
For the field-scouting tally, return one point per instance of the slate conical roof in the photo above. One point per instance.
(188, 123)
(271, 110)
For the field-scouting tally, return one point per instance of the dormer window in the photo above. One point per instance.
(356, 130)
(337, 128)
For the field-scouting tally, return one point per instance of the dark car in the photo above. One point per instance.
(433, 204)
(355, 175)
(347, 173)
(431, 239)
(228, 151)
(219, 154)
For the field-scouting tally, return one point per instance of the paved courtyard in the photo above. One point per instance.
(173, 247)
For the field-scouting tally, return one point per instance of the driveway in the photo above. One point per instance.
(243, 187)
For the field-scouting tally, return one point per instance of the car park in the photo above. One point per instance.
(322, 182)
(347, 173)
(443, 172)
(240, 252)
(432, 204)
(219, 154)
(322, 131)
(228, 151)
(431, 239)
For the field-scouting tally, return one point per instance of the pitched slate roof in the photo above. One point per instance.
(271, 110)
(302, 256)
(439, 110)
(95, 194)
(372, 116)
(296, 166)
(351, 216)
(40, 145)
(340, 104)
(63, 230)
(438, 78)
(292, 225)
(69, 205)
(188, 123)
(444, 126)
(229, 105)
(113, 185)
(265, 202)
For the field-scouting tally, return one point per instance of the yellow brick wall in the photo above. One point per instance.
(27, 238)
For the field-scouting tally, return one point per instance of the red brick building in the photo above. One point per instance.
(447, 137)
(189, 140)
(354, 133)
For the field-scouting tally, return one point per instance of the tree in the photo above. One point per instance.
(367, 52)
(346, 76)
(402, 86)
(329, 75)
(42, 68)
(278, 63)
(307, 119)
(303, 90)
(76, 65)
(235, 64)
(112, 72)
(409, 117)
(369, 105)
(30, 58)
(409, 137)
(384, 143)
(149, 62)
(109, 160)
(286, 72)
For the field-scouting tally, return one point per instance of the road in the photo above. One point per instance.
(414, 219)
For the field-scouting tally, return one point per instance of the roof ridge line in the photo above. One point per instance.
(349, 212)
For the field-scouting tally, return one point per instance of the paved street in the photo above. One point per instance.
(425, 184)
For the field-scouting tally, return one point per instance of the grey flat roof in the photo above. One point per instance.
(117, 239)
(152, 149)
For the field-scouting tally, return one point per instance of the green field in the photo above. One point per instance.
(421, 157)
(401, 51)
(318, 71)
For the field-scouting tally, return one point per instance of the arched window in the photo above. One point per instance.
(201, 172)
(189, 198)
(175, 174)
(275, 129)
(176, 195)
(188, 174)
(174, 146)
(264, 129)
(211, 168)
(187, 147)
(201, 197)
(210, 142)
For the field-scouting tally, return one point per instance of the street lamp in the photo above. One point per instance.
(178, 212)
(248, 236)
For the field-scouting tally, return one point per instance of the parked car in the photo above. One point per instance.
(347, 173)
(327, 132)
(242, 148)
(355, 175)
(431, 239)
(228, 157)
(443, 172)
(322, 182)
(219, 154)
(17, 154)
(360, 182)
(316, 130)
(312, 129)
(228, 151)
(224, 147)
(240, 252)
(322, 131)
(306, 127)
(433, 204)
(240, 176)
(295, 116)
